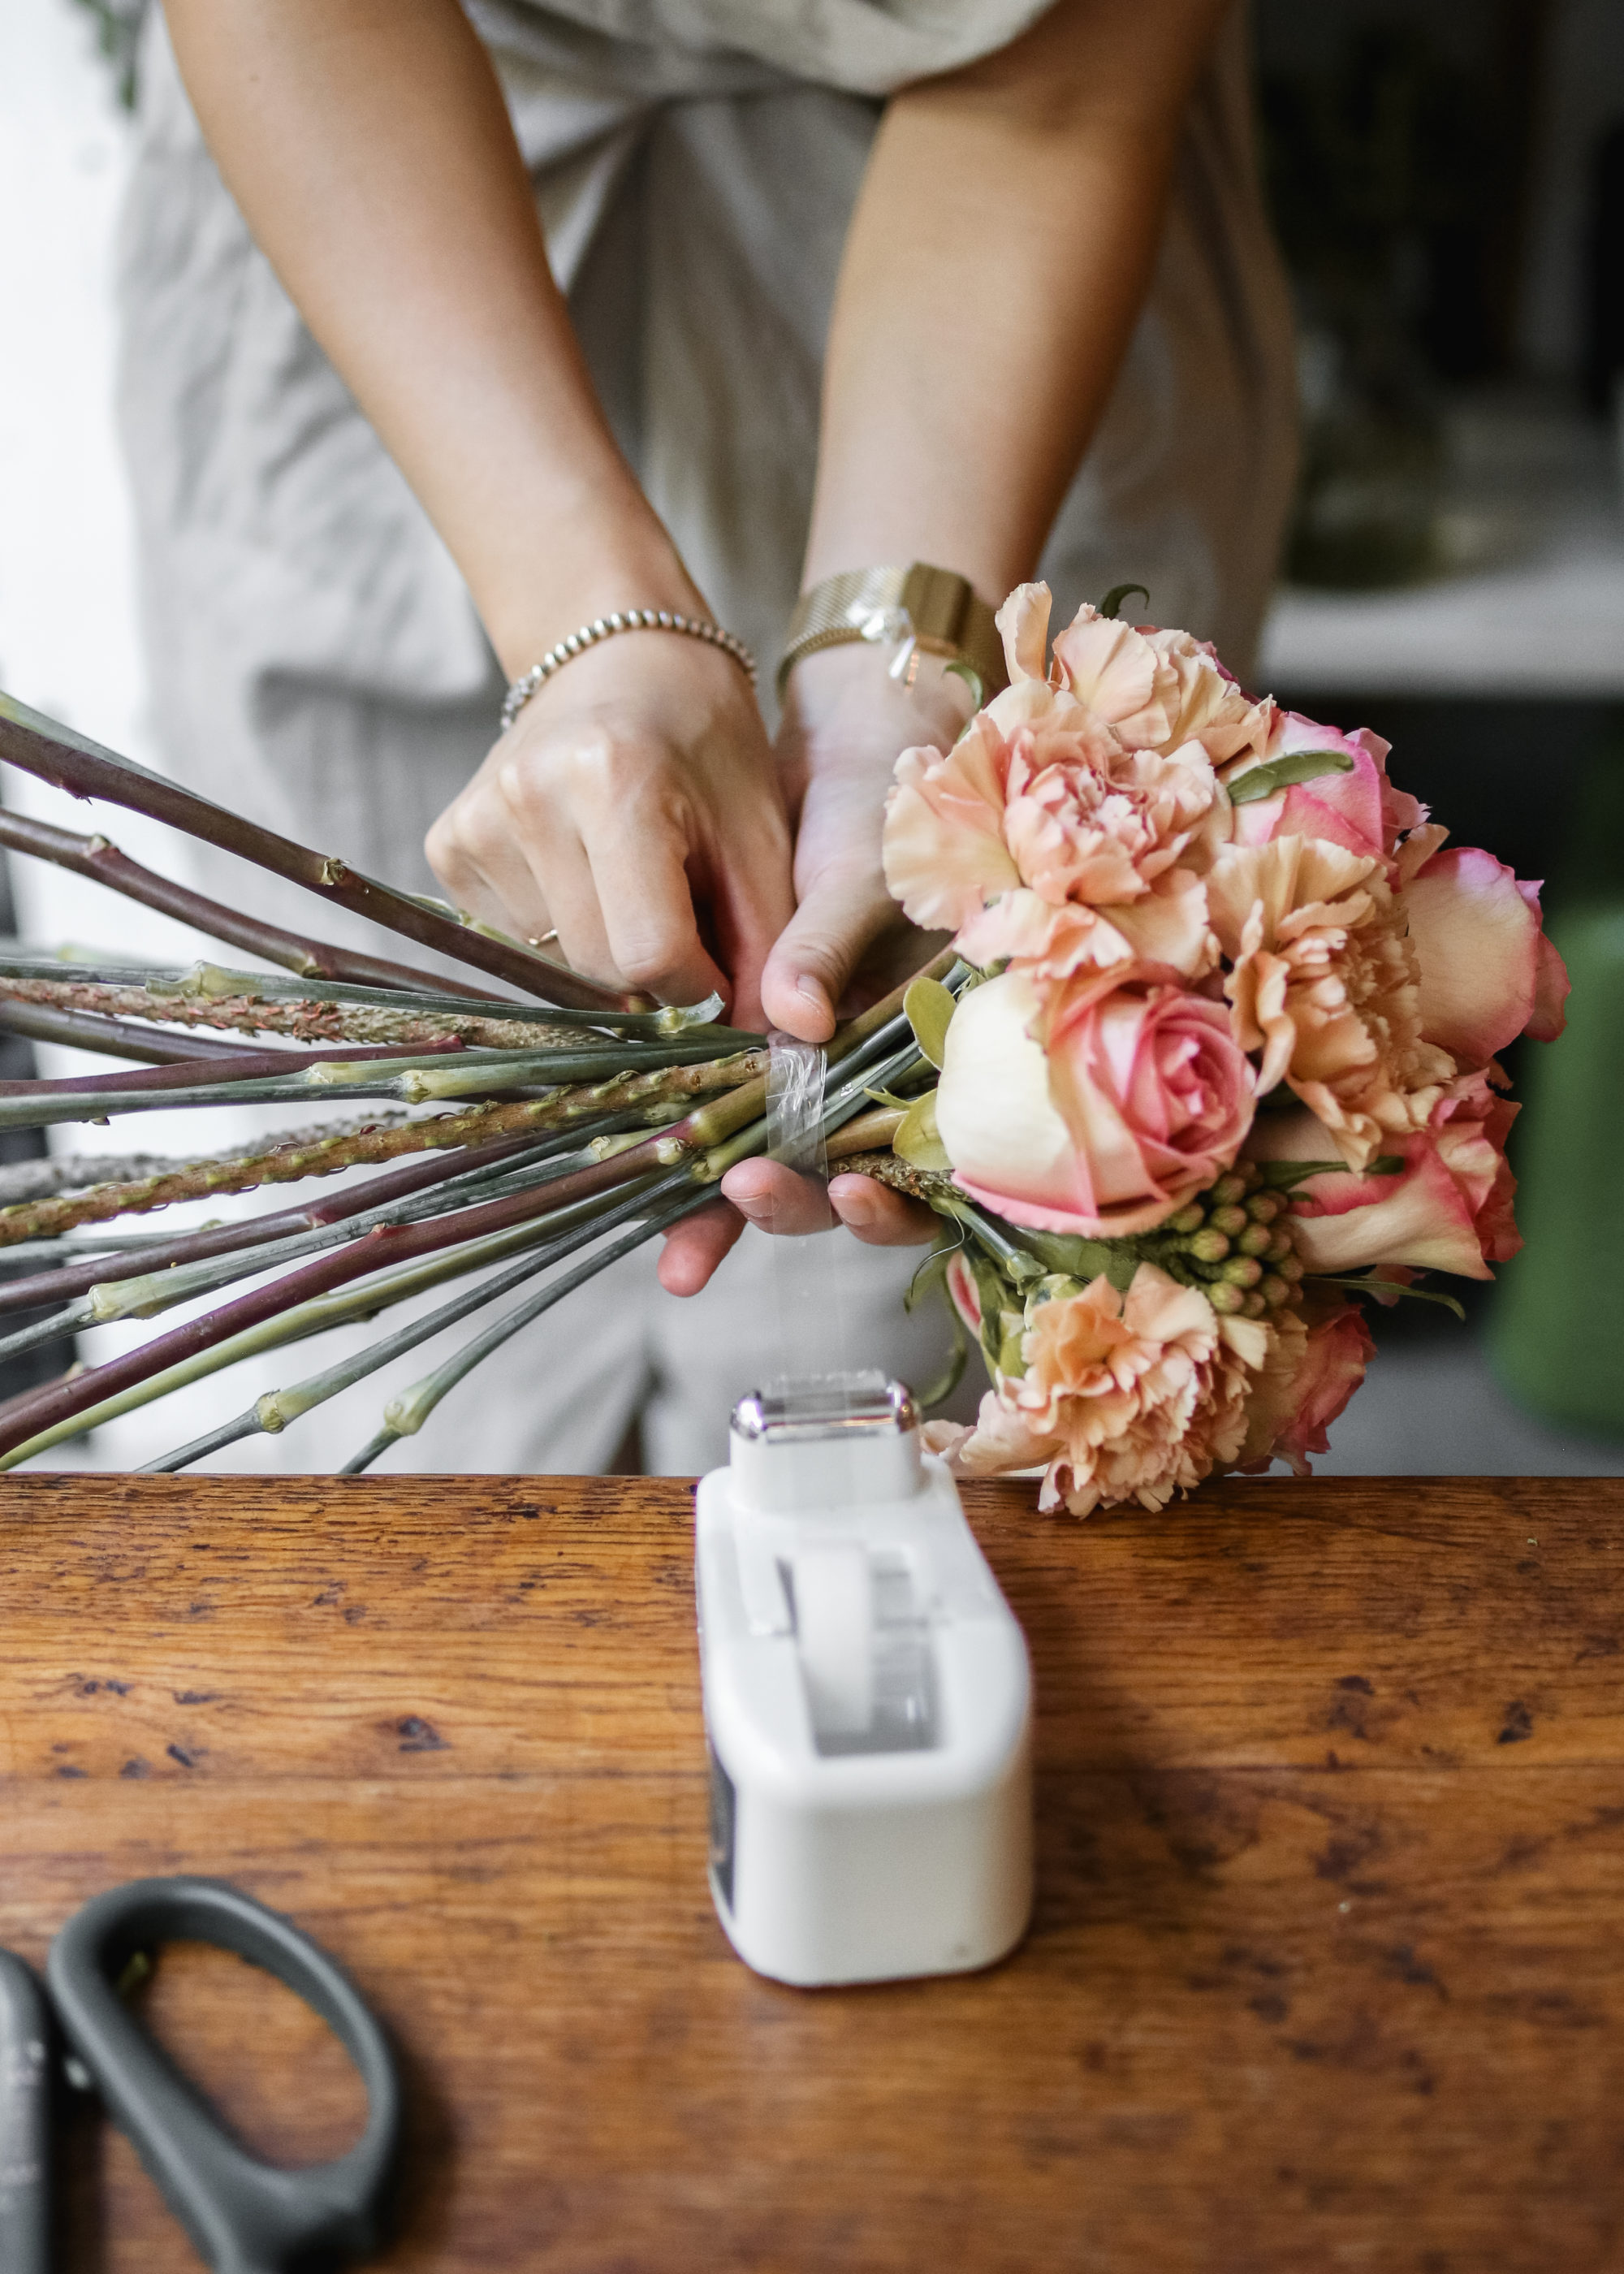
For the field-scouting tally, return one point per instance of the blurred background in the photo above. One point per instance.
(1448, 177)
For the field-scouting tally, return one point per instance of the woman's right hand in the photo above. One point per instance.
(633, 807)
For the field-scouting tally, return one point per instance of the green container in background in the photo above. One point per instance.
(1556, 1334)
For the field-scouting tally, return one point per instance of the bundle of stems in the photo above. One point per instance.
(564, 1130)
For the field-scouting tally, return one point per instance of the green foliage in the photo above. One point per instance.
(971, 677)
(1280, 773)
(1285, 1175)
(928, 1009)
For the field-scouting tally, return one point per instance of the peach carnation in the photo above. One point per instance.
(1324, 984)
(1160, 690)
(1037, 821)
(1123, 1397)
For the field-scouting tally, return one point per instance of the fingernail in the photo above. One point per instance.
(808, 986)
(757, 1210)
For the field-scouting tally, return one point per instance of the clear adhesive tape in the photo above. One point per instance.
(834, 1633)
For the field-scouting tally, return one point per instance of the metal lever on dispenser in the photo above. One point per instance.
(867, 1696)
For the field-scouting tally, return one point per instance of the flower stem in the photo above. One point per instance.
(98, 858)
(87, 1030)
(55, 753)
(299, 1324)
(278, 1408)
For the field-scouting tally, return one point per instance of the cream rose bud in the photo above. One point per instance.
(1097, 1104)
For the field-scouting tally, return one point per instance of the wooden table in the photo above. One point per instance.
(1326, 1971)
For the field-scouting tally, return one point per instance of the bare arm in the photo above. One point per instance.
(367, 143)
(997, 263)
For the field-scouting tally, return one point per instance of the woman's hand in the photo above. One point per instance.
(953, 443)
(633, 806)
(845, 721)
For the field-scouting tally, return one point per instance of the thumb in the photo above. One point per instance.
(806, 973)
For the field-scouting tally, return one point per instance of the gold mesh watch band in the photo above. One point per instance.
(935, 607)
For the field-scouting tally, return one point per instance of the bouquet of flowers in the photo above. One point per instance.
(1225, 1064)
(1210, 1056)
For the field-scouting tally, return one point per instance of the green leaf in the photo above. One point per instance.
(1371, 1286)
(1084, 1258)
(1285, 1175)
(1118, 593)
(952, 1373)
(928, 1009)
(971, 677)
(1280, 773)
(919, 1141)
(931, 1272)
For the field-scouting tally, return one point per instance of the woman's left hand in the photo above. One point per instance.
(845, 721)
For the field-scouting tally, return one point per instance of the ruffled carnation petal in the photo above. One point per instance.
(942, 846)
(1323, 981)
(1023, 626)
(1115, 672)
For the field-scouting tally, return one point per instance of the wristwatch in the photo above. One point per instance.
(937, 609)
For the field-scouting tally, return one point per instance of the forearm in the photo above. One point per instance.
(994, 270)
(368, 146)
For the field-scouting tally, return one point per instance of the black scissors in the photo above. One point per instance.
(244, 2217)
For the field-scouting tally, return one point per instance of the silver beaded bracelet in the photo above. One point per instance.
(603, 628)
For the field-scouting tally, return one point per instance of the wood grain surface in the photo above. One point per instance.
(1325, 1969)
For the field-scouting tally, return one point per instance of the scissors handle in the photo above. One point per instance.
(244, 2217)
(26, 2083)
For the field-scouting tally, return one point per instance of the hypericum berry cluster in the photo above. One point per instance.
(1234, 1242)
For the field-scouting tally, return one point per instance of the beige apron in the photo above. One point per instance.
(315, 657)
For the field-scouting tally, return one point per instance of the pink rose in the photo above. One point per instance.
(1488, 971)
(1097, 1104)
(1295, 1406)
(1449, 1208)
(963, 1292)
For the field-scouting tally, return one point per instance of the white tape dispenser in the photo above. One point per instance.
(867, 1699)
(867, 1692)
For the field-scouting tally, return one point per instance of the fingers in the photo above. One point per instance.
(771, 1196)
(776, 1200)
(752, 902)
(596, 827)
(696, 1246)
(643, 821)
(806, 975)
(528, 877)
(880, 1217)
